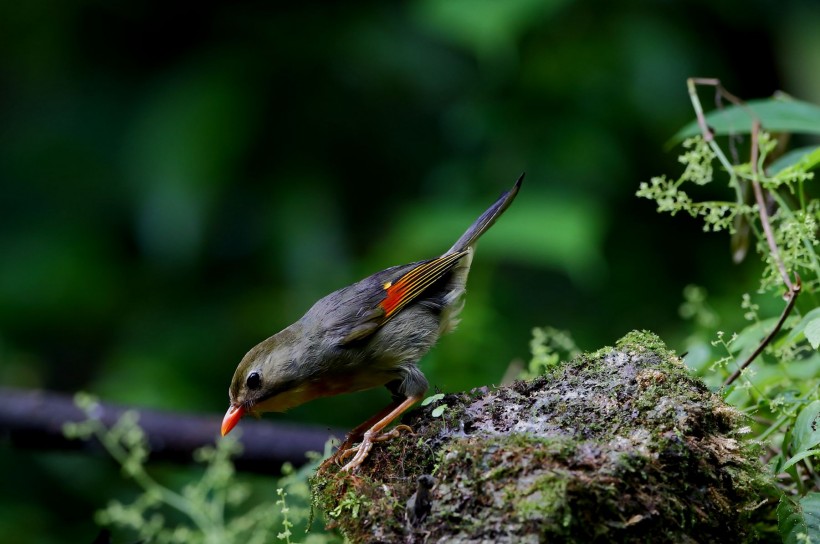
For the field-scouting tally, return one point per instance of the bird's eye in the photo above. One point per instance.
(253, 381)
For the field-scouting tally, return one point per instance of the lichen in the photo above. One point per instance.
(620, 445)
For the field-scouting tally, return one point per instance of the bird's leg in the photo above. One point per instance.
(374, 433)
(356, 434)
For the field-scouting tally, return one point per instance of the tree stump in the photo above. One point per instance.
(620, 445)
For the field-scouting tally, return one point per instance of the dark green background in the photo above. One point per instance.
(181, 181)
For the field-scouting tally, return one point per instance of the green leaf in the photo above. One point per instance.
(797, 458)
(797, 330)
(799, 522)
(813, 332)
(432, 398)
(802, 158)
(806, 430)
(775, 114)
(438, 410)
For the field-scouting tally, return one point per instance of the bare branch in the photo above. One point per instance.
(35, 419)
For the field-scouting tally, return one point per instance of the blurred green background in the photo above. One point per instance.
(179, 182)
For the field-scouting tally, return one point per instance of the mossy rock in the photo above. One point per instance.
(622, 445)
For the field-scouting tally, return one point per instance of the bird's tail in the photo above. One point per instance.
(486, 220)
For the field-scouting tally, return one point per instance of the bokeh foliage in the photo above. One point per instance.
(179, 183)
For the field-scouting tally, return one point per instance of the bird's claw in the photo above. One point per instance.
(394, 433)
(361, 450)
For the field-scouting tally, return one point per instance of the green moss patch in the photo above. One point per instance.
(621, 445)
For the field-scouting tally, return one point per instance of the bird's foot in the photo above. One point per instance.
(362, 450)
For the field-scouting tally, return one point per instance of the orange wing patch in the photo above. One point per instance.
(405, 289)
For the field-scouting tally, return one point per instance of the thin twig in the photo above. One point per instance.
(706, 130)
(791, 298)
(720, 92)
(764, 214)
(792, 288)
(692, 83)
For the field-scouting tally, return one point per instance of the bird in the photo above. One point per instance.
(369, 334)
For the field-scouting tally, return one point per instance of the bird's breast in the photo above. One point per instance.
(327, 386)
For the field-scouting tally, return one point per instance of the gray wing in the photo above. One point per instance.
(353, 313)
(370, 303)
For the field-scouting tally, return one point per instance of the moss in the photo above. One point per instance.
(620, 445)
(545, 498)
(641, 341)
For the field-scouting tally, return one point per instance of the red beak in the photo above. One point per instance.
(232, 417)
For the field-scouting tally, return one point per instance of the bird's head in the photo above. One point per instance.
(268, 379)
